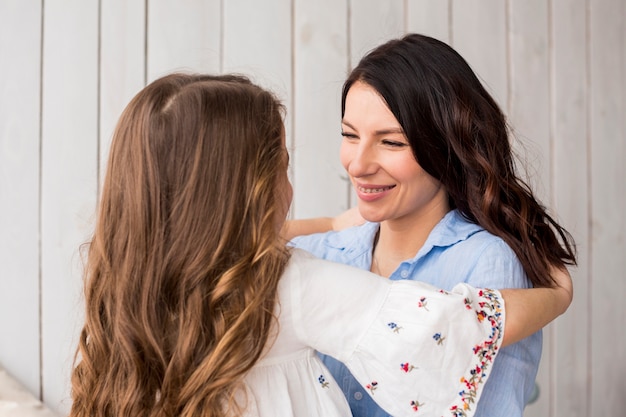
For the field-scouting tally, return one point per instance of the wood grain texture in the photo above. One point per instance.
(568, 358)
(529, 115)
(20, 92)
(373, 22)
(183, 37)
(122, 65)
(320, 64)
(479, 34)
(430, 17)
(608, 207)
(68, 181)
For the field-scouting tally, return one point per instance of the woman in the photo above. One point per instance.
(195, 306)
(427, 150)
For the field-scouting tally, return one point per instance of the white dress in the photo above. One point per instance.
(419, 351)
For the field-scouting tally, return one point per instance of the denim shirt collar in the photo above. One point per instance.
(358, 242)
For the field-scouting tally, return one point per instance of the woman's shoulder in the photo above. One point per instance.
(334, 244)
(483, 245)
(456, 232)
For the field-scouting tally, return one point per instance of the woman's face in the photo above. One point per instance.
(388, 181)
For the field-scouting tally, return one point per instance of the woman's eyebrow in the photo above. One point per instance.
(379, 132)
(389, 131)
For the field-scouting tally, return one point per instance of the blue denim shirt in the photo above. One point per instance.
(455, 251)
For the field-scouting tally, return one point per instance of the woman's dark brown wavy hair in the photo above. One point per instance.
(459, 135)
(182, 270)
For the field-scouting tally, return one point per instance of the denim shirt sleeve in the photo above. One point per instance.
(311, 243)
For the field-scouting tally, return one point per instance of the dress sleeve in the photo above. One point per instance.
(418, 350)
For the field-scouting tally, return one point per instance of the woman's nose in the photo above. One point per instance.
(360, 160)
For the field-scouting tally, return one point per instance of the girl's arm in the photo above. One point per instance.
(300, 227)
(529, 310)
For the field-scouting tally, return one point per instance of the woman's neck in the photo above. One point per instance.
(401, 239)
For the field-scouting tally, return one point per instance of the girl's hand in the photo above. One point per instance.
(348, 218)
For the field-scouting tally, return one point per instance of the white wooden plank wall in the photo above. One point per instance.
(68, 67)
(69, 162)
(20, 99)
(565, 372)
(607, 153)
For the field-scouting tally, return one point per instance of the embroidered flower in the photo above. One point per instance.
(393, 326)
(438, 338)
(468, 303)
(323, 381)
(415, 405)
(406, 367)
(423, 303)
(372, 387)
(481, 315)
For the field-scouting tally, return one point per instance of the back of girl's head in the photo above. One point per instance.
(183, 266)
(194, 157)
(459, 136)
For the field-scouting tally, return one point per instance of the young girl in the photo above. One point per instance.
(195, 306)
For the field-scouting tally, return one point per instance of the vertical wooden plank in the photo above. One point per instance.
(20, 88)
(570, 355)
(321, 62)
(479, 34)
(529, 90)
(69, 180)
(373, 22)
(529, 114)
(122, 64)
(265, 57)
(183, 37)
(430, 17)
(608, 205)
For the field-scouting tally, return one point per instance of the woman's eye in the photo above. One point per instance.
(394, 144)
(348, 135)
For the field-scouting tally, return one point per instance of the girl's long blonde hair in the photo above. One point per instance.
(182, 270)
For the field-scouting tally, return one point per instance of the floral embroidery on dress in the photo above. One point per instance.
(393, 326)
(323, 381)
(439, 338)
(491, 310)
(423, 303)
(407, 367)
(481, 315)
(468, 303)
(415, 405)
(372, 387)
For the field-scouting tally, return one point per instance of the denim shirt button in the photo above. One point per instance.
(404, 273)
(358, 396)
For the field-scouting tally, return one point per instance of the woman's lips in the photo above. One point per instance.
(372, 192)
